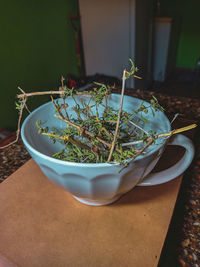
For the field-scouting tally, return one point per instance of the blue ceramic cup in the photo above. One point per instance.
(102, 183)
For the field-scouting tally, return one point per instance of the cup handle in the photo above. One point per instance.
(178, 168)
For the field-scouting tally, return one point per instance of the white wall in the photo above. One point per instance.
(108, 32)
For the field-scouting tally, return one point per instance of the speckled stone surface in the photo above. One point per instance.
(12, 158)
(182, 246)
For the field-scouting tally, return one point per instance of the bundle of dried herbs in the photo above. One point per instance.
(98, 133)
(88, 136)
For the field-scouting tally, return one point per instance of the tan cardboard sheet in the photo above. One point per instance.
(43, 225)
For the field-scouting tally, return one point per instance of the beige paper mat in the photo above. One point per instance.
(43, 225)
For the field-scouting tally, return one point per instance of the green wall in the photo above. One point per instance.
(37, 47)
(186, 18)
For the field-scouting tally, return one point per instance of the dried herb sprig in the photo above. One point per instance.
(119, 117)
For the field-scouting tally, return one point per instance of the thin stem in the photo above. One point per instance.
(106, 106)
(40, 93)
(180, 130)
(134, 129)
(149, 143)
(24, 98)
(69, 122)
(50, 93)
(137, 126)
(57, 108)
(88, 107)
(107, 132)
(77, 113)
(119, 117)
(62, 82)
(63, 97)
(174, 118)
(71, 140)
(18, 126)
(133, 143)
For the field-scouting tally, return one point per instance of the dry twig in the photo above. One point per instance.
(119, 117)
(151, 140)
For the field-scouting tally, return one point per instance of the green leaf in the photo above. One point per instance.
(144, 119)
(132, 70)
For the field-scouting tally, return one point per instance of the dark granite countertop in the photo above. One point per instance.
(182, 246)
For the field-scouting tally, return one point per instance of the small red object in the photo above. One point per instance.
(72, 83)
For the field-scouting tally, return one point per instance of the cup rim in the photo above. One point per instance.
(79, 164)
